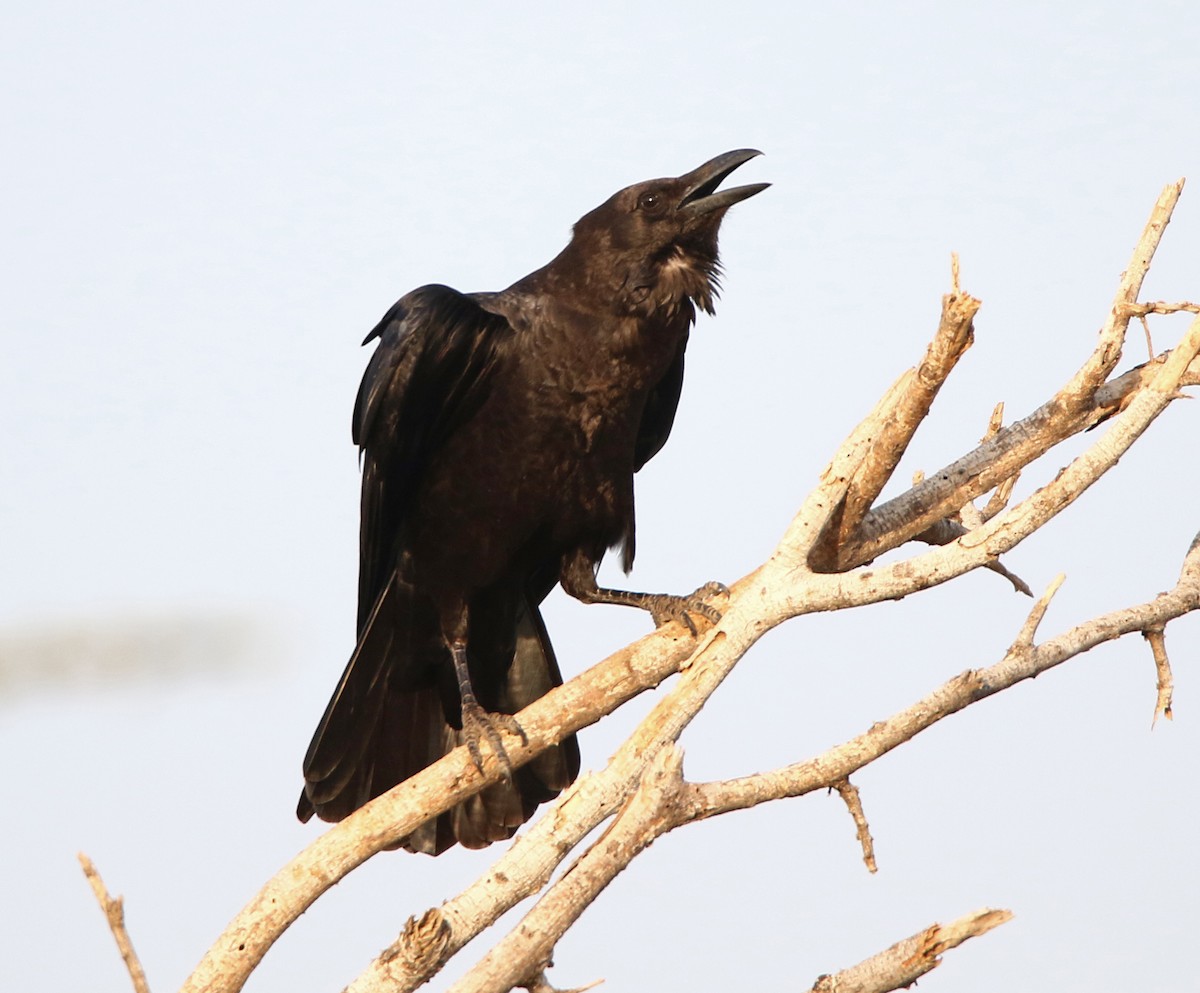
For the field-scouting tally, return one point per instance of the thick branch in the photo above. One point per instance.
(954, 336)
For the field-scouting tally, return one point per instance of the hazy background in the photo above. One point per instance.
(205, 208)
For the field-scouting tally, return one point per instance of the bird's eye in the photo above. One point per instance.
(651, 202)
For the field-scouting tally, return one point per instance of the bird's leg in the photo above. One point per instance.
(578, 578)
(476, 722)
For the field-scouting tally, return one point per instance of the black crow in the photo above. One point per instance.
(500, 433)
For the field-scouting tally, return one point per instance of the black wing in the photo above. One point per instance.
(431, 371)
(659, 413)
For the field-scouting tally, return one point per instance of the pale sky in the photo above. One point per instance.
(205, 210)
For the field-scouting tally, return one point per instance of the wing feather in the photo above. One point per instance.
(433, 367)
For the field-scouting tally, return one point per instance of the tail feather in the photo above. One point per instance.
(391, 716)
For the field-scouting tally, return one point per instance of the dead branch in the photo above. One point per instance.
(849, 794)
(114, 913)
(634, 829)
(1159, 307)
(1033, 621)
(954, 336)
(908, 960)
(946, 531)
(999, 498)
(1165, 682)
(1022, 661)
(1080, 404)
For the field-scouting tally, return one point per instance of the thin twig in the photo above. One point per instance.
(1025, 636)
(849, 794)
(1164, 681)
(1149, 339)
(996, 421)
(1000, 497)
(946, 531)
(114, 912)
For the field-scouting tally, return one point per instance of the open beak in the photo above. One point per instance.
(700, 192)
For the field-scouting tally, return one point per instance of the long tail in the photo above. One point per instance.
(396, 711)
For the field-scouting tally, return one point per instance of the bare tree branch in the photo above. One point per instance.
(908, 960)
(849, 794)
(999, 498)
(1022, 661)
(1080, 404)
(1029, 629)
(114, 913)
(954, 336)
(1165, 682)
(946, 531)
(1159, 307)
(757, 603)
(634, 829)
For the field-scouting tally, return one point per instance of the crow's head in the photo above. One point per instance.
(654, 244)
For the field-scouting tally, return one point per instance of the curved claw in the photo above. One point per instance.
(665, 607)
(478, 723)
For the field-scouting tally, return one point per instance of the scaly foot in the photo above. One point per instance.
(665, 607)
(478, 723)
